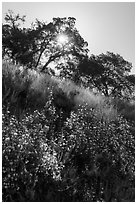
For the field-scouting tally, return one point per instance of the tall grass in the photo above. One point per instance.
(38, 87)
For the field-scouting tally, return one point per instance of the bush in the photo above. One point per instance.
(101, 158)
(27, 153)
(126, 108)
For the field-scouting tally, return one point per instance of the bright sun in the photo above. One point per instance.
(62, 39)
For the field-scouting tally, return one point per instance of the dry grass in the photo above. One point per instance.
(39, 86)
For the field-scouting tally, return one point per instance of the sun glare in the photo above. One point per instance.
(62, 39)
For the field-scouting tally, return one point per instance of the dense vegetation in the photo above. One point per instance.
(67, 136)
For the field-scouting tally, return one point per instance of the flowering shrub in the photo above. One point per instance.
(26, 153)
(98, 157)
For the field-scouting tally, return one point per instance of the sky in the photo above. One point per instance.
(106, 26)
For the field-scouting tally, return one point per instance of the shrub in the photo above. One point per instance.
(98, 158)
(126, 108)
(27, 154)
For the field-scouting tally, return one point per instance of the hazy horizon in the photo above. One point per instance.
(106, 26)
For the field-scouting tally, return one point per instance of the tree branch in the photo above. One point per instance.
(39, 57)
(52, 58)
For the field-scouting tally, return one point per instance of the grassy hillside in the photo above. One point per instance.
(62, 142)
(27, 88)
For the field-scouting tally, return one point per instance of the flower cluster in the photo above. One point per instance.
(27, 152)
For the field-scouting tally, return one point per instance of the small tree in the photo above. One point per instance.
(16, 42)
(111, 75)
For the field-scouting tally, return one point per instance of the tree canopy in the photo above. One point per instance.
(41, 44)
(110, 74)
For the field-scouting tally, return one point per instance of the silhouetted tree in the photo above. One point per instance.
(111, 75)
(16, 41)
(40, 44)
(73, 49)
